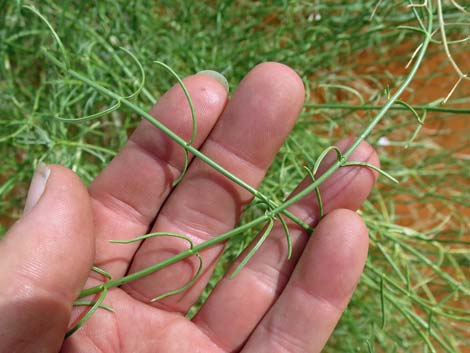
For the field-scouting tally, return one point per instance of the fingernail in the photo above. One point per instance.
(36, 189)
(216, 76)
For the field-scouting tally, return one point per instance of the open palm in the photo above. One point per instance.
(272, 305)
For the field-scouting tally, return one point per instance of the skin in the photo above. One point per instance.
(272, 305)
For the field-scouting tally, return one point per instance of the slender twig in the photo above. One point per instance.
(175, 138)
(456, 67)
(429, 108)
(275, 210)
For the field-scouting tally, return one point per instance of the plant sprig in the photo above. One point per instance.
(341, 161)
(333, 39)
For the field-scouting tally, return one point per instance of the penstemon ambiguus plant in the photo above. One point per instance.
(274, 211)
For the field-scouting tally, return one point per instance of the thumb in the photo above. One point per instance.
(45, 259)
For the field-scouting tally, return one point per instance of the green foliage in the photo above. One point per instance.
(415, 289)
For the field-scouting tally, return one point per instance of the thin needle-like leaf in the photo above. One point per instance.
(142, 74)
(102, 272)
(288, 237)
(322, 156)
(193, 117)
(382, 302)
(174, 235)
(317, 193)
(184, 287)
(91, 303)
(53, 32)
(90, 312)
(371, 166)
(153, 235)
(254, 249)
(111, 109)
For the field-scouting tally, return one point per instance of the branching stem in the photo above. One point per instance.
(276, 209)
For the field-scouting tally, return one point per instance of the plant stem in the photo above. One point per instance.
(428, 108)
(368, 129)
(177, 139)
(276, 210)
(173, 259)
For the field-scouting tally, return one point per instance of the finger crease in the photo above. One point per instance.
(161, 161)
(237, 155)
(281, 337)
(269, 278)
(121, 208)
(313, 296)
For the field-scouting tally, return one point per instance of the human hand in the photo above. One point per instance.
(272, 305)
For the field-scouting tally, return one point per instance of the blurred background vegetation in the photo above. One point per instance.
(415, 293)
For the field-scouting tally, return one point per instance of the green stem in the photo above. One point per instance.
(428, 108)
(177, 139)
(149, 270)
(368, 129)
(399, 91)
(276, 209)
